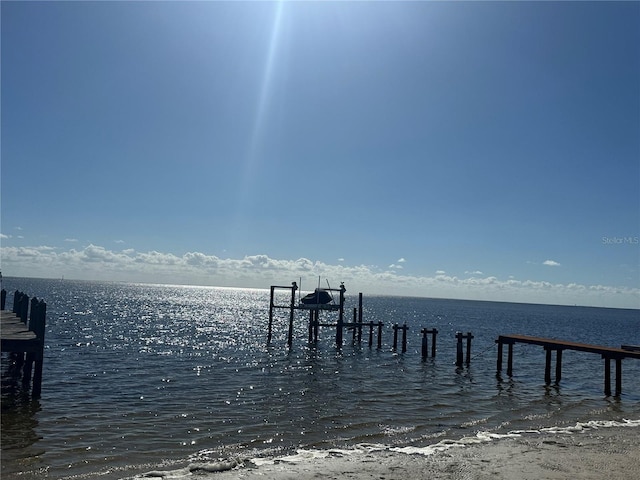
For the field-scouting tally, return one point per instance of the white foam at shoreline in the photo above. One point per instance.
(484, 437)
(303, 456)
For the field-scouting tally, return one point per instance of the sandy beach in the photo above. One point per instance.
(594, 454)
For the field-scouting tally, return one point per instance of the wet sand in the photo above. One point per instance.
(596, 454)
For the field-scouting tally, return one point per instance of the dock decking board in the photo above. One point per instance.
(550, 344)
(554, 344)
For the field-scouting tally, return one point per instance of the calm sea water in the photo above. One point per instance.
(141, 377)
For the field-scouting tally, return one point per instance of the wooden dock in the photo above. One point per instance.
(22, 335)
(550, 345)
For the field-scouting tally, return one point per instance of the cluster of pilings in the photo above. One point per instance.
(357, 325)
(463, 355)
(425, 343)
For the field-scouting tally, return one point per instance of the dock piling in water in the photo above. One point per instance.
(425, 342)
(459, 351)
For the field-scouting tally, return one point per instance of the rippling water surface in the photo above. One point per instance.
(141, 376)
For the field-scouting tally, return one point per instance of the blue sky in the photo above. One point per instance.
(465, 150)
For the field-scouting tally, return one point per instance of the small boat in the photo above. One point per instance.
(318, 297)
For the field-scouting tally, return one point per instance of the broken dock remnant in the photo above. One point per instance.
(550, 345)
(460, 336)
(425, 342)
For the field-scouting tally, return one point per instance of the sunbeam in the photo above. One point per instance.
(256, 138)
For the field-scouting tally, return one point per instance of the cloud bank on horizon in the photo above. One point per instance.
(95, 262)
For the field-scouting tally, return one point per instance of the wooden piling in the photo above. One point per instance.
(607, 376)
(404, 329)
(395, 336)
(459, 350)
(294, 287)
(404, 337)
(425, 342)
(547, 366)
(359, 317)
(340, 324)
(355, 318)
(291, 308)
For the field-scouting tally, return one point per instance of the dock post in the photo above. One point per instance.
(355, 317)
(294, 287)
(310, 326)
(316, 326)
(404, 337)
(558, 365)
(425, 344)
(607, 376)
(379, 334)
(395, 337)
(370, 334)
(460, 336)
(360, 317)
(39, 329)
(270, 315)
(3, 298)
(499, 360)
(459, 349)
(340, 318)
(510, 360)
(547, 366)
(618, 376)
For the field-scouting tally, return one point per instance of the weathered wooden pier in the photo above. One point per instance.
(550, 345)
(609, 354)
(22, 335)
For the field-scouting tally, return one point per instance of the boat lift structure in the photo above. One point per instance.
(314, 313)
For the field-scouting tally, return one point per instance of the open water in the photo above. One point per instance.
(155, 377)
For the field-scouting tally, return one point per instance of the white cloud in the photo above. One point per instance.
(71, 240)
(401, 260)
(3, 236)
(119, 241)
(393, 266)
(551, 263)
(476, 272)
(94, 262)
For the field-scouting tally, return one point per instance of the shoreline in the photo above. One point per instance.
(594, 453)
